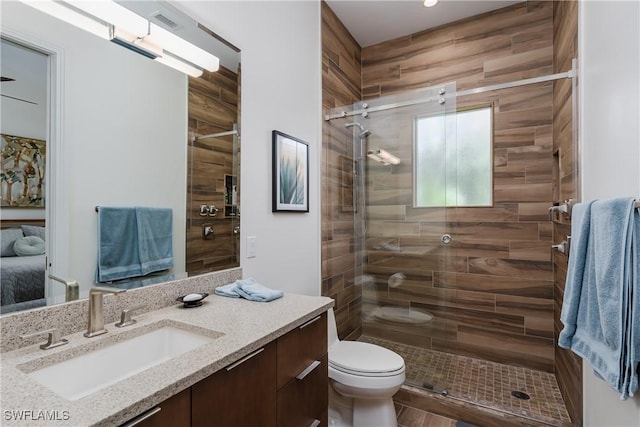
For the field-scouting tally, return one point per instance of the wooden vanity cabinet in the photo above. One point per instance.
(303, 381)
(284, 384)
(242, 394)
(173, 412)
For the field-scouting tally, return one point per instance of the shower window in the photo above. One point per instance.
(453, 158)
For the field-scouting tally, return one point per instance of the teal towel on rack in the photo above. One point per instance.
(117, 244)
(601, 301)
(155, 239)
(133, 242)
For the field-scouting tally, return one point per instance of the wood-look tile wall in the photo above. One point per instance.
(568, 366)
(213, 107)
(491, 290)
(340, 86)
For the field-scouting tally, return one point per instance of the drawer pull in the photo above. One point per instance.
(308, 370)
(304, 325)
(244, 359)
(315, 423)
(142, 417)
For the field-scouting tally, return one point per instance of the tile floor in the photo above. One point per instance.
(411, 417)
(482, 382)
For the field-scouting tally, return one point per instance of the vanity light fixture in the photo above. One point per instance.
(183, 49)
(140, 45)
(114, 22)
(174, 62)
(430, 3)
(383, 157)
(71, 16)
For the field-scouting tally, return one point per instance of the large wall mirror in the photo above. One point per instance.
(87, 123)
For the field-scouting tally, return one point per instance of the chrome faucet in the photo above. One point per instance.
(95, 326)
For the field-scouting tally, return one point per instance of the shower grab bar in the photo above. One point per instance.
(563, 247)
(564, 208)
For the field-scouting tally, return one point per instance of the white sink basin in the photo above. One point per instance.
(82, 375)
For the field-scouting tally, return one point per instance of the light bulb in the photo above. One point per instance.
(430, 3)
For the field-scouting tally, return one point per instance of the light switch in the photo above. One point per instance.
(251, 246)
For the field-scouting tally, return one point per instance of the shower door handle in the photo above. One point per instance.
(445, 239)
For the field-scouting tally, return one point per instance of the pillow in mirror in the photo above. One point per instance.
(33, 230)
(8, 238)
(29, 246)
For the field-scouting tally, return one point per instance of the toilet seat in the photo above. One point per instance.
(364, 359)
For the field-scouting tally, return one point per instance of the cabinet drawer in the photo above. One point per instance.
(173, 412)
(242, 394)
(300, 347)
(303, 401)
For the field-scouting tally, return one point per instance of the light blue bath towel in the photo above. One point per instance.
(254, 291)
(227, 291)
(601, 292)
(248, 289)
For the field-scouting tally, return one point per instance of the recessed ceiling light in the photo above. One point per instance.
(430, 3)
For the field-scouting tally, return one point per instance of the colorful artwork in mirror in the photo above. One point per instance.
(22, 173)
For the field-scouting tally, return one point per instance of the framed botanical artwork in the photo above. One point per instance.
(22, 175)
(290, 173)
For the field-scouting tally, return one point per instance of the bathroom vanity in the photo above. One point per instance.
(283, 383)
(259, 362)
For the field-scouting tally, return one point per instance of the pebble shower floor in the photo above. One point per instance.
(483, 382)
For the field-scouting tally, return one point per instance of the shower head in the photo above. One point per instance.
(383, 156)
(364, 132)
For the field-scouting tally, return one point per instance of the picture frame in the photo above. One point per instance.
(290, 173)
(23, 172)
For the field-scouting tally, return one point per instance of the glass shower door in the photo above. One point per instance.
(403, 248)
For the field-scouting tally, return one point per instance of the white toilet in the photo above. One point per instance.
(363, 378)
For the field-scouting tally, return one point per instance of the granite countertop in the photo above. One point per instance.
(245, 325)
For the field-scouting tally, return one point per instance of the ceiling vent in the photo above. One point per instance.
(164, 20)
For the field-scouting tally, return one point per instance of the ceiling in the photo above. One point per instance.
(28, 69)
(372, 21)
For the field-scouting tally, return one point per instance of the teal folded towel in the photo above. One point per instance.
(254, 291)
(227, 291)
(601, 299)
(248, 289)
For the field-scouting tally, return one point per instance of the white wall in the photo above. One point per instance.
(124, 129)
(610, 147)
(281, 89)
